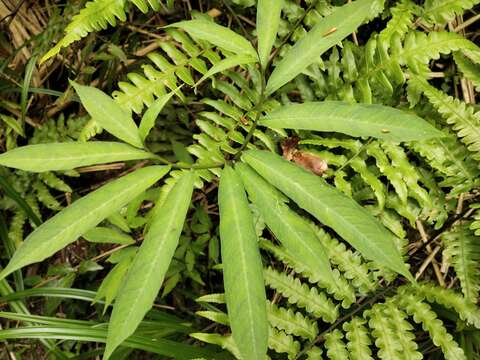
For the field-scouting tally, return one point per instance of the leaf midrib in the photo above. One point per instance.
(238, 229)
(158, 254)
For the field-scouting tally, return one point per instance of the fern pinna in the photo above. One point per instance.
(315, 243)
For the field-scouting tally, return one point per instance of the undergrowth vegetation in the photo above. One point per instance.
(240, 179)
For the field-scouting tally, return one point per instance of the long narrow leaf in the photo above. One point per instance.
(109, 114)
(329, 31)
(66, 293)
(164, 347)
(150, 116)
(69, 155)
(330, 206)
(20, 308)
(378, 121)
(81, 216)
(150, 265)
(242, 269)
(29, 69)
(291, 229)
(225, 64)
(268, 19)
(218, 35)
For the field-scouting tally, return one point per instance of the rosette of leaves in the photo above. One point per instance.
(274, 184)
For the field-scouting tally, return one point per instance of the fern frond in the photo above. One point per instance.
(90, 129)
(451, 161)
(44, 196)
(336, 349)
(15, 230)
(448, 298)
(224, 341)
(95, 16)
(424, 315)
(171, 66)
(401, 21)
(283, 343)
(463, 118)
(358, 339)
(403, 331)
(315, 353)
(143, 5)
(384, 334)
(463, 249)
(440, 12)
(470, 70)
(348, 262)
(293, 323)
(300, 294)
(475, 224)
(52, 181)
(340, 289)
(215, 316)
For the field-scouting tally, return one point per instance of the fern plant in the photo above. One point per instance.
(241, 123)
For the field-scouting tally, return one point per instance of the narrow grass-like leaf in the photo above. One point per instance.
(66, 293)
(164, 347)
(290, 229)
(218, 35)
(69, 155)
(378, 121)
(225, 64)
(13, 123)
(268, 19)
(109, 114)
(29, 69)
(81, 216)
(108, 236)
(330, 206)
(21, 309)
(150, 265)
(242, 269)
(148, 119)
(329, 31)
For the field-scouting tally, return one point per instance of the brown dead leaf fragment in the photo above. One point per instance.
(289, 147)
(308, 161)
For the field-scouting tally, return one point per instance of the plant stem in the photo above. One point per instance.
(258, 106)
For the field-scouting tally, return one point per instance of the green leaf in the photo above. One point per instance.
(69, 155)
(108, 114)
(331, 207)
(242, 269)
(327, 32)
(113, 282)
(13, 124)
(150, 116)
(150, 265)
(268, 20)
(85, 213)
(169, 348)
(289, 228)
(218, 35)
(108, 236)
(29, 69)
(225, 64)
(15, 196)
(378, 121)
